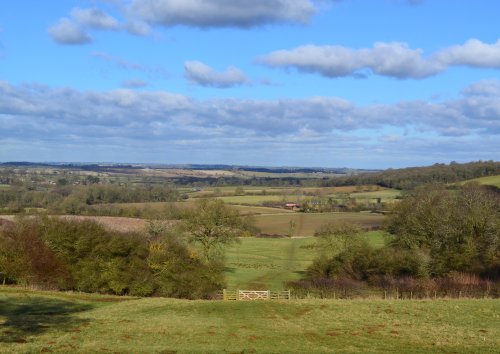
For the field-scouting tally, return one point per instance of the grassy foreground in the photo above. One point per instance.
(34, 322)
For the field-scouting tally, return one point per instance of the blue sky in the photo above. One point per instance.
(356, 83)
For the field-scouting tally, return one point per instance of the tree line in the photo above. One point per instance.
(410, 178)
(438, 240)
(75, 199)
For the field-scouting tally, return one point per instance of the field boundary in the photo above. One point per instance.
(246, 295)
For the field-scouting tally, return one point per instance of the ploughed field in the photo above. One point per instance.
(43, 322)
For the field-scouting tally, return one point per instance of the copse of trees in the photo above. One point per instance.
(458, 230)
(410, 178)
(53, 253)
(440, 239)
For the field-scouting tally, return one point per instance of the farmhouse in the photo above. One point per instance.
(291, 206)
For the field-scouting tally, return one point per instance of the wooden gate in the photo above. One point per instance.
(254, 295)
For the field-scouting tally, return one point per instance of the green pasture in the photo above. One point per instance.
(257, 199)
(490, 180)
(4, 186)
(230, 190)
(305, 224)
(383, 194)
(268, 263)
(311, 191)
(38, 322)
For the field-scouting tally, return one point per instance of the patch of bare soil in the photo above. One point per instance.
(114, 223)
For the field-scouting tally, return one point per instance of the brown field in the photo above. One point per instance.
(269, 220)
(172, 173)
(109, 222)
(158, 206)
(120, 224)
(301, 224)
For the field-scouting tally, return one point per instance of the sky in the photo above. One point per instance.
(316, 83)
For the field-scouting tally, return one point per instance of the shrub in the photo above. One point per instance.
(81, 255)
(179, 272)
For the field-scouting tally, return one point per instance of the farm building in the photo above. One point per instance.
(292, 206)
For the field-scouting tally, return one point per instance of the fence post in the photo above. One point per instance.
(224, 297)
(269, 294)
(238, 294)
(289, 295)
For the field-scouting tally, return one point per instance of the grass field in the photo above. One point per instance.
(305, 224)
(268, 263)
(383, 194)
(257, 199)
(490, 180)
(36, 322)
(287, 191)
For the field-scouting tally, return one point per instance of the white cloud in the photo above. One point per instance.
(144, 122)
(67, 31)
(473, 53)
(222, 13)
(94, 18)
(73, 30)
(476, 111)
(395, 60)
(201, 74)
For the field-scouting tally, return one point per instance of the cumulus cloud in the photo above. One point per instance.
(473, 53)
(73, 30)
(222, 13)
(201, 74)
(94, 18)
(67, 31)
(463, 128)
(394, 59)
